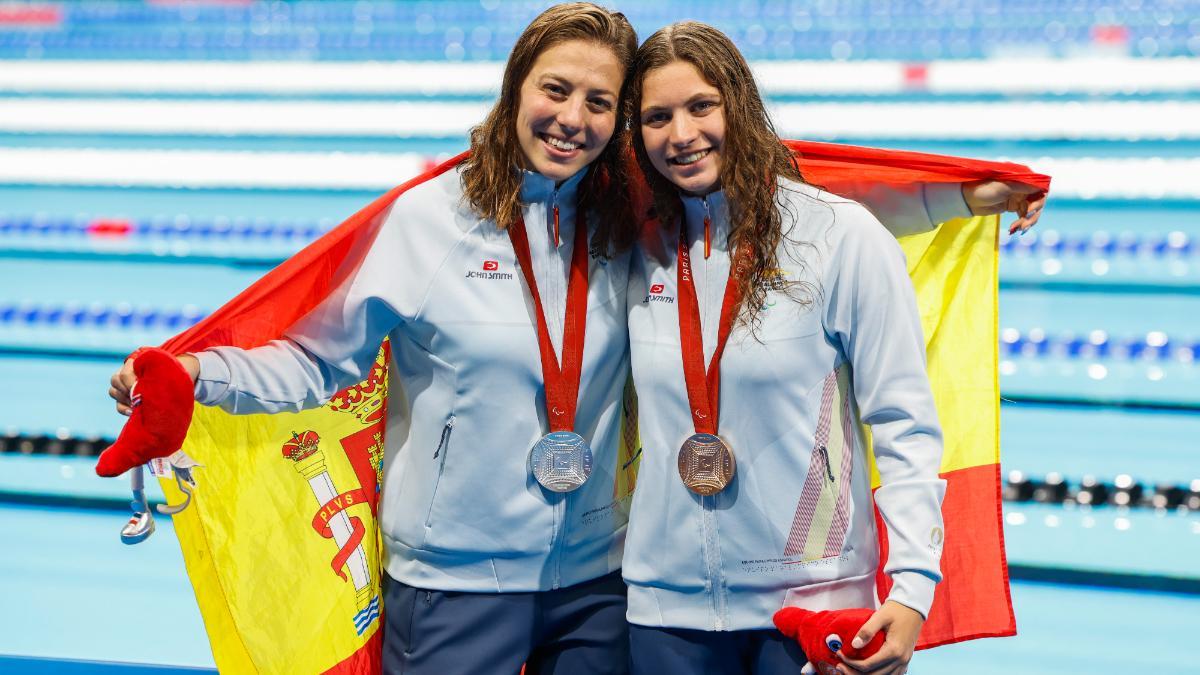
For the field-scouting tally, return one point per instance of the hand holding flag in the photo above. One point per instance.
(991, 197)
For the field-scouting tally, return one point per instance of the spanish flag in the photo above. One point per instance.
(955, 270)
(281, 542)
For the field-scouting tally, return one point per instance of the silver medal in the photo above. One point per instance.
(561, 461)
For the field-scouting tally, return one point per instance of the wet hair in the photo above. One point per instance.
(490, 175)
(752, 156)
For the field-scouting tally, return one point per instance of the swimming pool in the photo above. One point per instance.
(116, 233)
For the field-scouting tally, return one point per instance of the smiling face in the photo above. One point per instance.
(682, 121)
(568, 107)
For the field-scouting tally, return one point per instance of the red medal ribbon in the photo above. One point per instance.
(562, 383)
(703, 385)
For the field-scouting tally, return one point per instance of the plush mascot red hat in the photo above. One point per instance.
(162, 402)
(822, 634)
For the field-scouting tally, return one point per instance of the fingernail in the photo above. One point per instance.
(857, 642)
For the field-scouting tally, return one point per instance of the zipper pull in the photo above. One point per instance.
(828, 469)
(554, 199)
(445, 435)
(707, 229)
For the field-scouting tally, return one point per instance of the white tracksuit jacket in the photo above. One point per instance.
(459, 508)
(796, 526)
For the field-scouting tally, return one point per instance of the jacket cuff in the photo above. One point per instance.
(944, 201)
(913, 590)
(212, 384)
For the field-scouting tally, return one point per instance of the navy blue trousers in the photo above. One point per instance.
(580, 629)
(658, 651)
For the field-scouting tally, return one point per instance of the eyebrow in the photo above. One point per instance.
(564, 80)
(693, 99)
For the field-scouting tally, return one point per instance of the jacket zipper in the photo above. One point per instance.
(558, 276)
(443, 444)
(554, 204)
(704, 302)
(712, 553)
(559, 524)
(712, 561)
(558, 518)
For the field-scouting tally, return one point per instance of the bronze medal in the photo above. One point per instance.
(706, 464)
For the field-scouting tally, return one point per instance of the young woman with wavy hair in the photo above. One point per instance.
(795, 304)
(496, 555)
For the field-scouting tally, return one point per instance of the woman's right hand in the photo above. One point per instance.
(123, 380)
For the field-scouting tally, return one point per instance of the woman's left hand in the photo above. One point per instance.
(989, 197)
(902, 625)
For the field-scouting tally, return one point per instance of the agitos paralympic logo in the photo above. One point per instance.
(491, 270)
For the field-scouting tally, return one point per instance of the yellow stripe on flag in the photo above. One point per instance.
(954, 272)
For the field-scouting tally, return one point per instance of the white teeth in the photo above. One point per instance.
(561, 145)
(690, 159)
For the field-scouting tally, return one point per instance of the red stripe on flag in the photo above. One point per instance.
(368, 658)
(972, 601)
(270, 305)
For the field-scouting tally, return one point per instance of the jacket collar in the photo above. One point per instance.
(716, 208)
(537, 188)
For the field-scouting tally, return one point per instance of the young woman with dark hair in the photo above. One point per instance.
(795, 305)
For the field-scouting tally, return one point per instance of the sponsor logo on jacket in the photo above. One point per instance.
(490, 270)
(657, 294)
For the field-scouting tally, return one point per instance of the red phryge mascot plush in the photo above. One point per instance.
(821, 634)
(162, 403)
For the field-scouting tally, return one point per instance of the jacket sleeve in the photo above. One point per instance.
(330, 348)
(277, 377)
(910, 209)
(872, 309)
